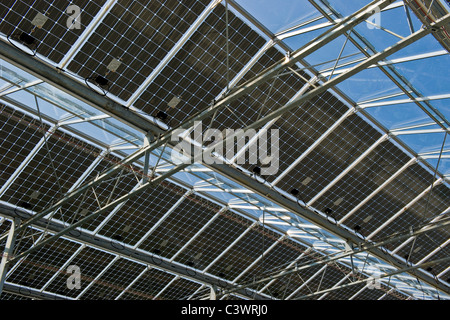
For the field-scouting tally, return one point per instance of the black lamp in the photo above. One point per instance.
(257, 170)
(161, 115)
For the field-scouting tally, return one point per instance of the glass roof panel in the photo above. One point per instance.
(424, 142)
(399, 115)
(368, 84)
(288, 14)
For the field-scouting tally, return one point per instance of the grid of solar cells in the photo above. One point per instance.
(424, 210)
(320, 282)
(140, 34)
(5, 226)
(300, 128)
(332, 156)
(363, 179)
(21, 133)
(39, 267)
(179, 227)
(202, 251)
(423, 245)
(286, 286)
(296, 130)
(149, 285)
(198, 72)
(284, 253)
(437, 268)
(372, 294)
(138, 215)
(346, 293)
(394, 295)
(55, 38)
(260, 101)
(91, 262)
(391, 199)
(95, 198)
(180, 289)
(51, 172)
(114, 280)
(10, 296)
(243, 253)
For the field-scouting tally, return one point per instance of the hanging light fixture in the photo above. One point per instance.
(27, 40)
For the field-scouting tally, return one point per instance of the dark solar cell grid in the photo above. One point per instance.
(363, 179)
(51, 172)
(20, 134)
(55, 38)
(180, 289)
(40, 266)
(423, 211)
(198, 72)
(140, 34)
(139, 214)
(425, 244)
(243, 253)
(149, 285)
(114, 280)
(391, 200)
(179, 227)
(213, 240)
(91, 262)
(278, 258)
(332, 156)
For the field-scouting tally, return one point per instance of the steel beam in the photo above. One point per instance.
(323, 269)
(33, 293)
(18, 88)
(326, 73)
(403, 101)
(168, 57)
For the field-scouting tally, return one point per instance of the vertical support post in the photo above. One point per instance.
(9, 247)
